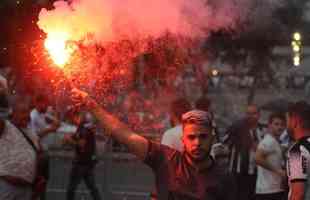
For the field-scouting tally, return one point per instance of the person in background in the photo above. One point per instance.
(41, 122)
(242, 139)
(269, 159)
(18, 157)
(172, 137)
(298, 157)
(85, 159)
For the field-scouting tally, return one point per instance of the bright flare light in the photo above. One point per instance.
(56, 44)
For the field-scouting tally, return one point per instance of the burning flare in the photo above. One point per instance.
(57, 46)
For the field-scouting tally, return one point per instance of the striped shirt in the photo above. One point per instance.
(242, 142)
(298, 163)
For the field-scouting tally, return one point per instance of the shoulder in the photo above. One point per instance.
(303, 145)
(158, 153)
(34, 113)
(268, 142)
(177, 130)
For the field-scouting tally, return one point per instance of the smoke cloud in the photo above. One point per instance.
(111, 20)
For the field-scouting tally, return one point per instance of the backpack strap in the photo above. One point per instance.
(27, 138)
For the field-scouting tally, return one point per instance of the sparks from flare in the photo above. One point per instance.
(57, 46)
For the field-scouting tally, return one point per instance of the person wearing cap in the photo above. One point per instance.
(298, 157)
(188, 175)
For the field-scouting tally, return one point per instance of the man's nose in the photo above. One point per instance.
(197, 141)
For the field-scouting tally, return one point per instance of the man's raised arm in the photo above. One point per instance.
(137, 144)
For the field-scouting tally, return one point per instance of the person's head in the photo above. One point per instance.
(41, 103)
(20, 114)
(276, 124)
(298, 119)
(197, 135)
(178, 108)
(252, 114)
(203, 103)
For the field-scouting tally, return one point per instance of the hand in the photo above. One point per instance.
(80, 98)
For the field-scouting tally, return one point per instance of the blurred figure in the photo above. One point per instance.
(4, 103)
(172, 137)
(298, 163)
(242, 139)
(203, 103)
(269, 158)
(18, 157)
(42, 122)
(85, 159)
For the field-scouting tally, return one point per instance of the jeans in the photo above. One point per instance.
(82, 172)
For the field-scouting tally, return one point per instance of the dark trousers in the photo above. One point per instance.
(244, 187)
(272, 196)
(82, 172)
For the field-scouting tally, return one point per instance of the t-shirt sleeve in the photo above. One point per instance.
(166, 139)
(156, 155)
(265, 146)
(297, 166)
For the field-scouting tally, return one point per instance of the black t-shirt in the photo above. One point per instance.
(176, 179)
(85, 149)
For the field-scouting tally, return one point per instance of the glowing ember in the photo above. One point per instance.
(59, 50)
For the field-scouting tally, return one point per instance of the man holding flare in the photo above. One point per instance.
(188, 175)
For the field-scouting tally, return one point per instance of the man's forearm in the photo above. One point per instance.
(119, 131)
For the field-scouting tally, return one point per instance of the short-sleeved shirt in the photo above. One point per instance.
(267, 181)
(177, 179)
(298, 163)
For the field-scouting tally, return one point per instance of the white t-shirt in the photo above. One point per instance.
(173, 138)
(267, 181)
(38, 123)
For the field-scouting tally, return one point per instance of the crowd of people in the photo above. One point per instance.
(193, 161)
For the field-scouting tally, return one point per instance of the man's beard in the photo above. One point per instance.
(197, 159)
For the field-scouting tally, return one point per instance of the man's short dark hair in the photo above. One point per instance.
(179, 107)
(276, 115)
(302, 110)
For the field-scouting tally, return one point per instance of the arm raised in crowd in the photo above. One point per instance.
(137, 144)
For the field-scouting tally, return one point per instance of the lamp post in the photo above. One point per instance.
(297, 48)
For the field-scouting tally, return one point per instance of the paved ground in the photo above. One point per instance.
(118, 176)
